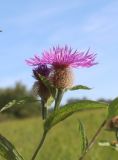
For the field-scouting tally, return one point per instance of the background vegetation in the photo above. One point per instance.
(29, 109)
(18, 92)
(62, 143)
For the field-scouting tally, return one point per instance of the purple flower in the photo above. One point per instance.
(34, 61)
(61, 60)
(42, 70)
(66, 57)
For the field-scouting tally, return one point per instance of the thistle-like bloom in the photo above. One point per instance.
(66, 57)
(62, 59)
(34, 61)
(39, 88)
(42, 70)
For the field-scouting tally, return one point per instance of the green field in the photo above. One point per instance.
(62, 142)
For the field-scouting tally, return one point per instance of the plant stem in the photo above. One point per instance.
(93, 140)
(39, 146)
(58, 98)
(116, 134)
(44, 109)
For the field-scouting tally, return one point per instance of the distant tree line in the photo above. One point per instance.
(19, 92)
(85, 98)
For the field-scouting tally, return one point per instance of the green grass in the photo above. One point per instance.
(62, 142)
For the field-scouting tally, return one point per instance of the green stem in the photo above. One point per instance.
(39, 146)
(58, 98)
(93, 140)
(44, 110)
(116, 134)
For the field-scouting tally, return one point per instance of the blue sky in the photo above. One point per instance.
(29, 27)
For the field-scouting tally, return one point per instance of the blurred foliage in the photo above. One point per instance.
(71, 100)
(19, 92)
(63, 141)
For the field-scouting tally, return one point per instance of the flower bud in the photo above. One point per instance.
(40, 89)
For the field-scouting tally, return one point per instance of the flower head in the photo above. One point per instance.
(42, 70)
(66, 57)
(34, 61)
(39, 88)
(61, 59)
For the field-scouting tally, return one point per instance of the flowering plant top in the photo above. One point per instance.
(64, 57)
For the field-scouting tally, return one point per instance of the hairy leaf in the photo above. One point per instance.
(69, 109)
(80, 87)
(83, 137)
(8, 151)
(113, 108)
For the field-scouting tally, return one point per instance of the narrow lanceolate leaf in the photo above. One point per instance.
(80, 87)
(49, 101)
(45, 81)
(8, 151)
(12, 104)
(83, 137)
(113, 108)
(17, 102)
(69, 109)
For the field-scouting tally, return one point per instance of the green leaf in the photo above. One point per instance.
(49, 101)
(83, 137)
(17, 102)
(8, 151)
(113, 108)
(45, 81)
(80, 87)
(12, 104)
(69, 109)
